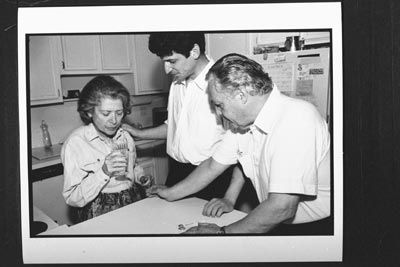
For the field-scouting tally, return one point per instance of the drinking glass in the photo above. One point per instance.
(122, 146)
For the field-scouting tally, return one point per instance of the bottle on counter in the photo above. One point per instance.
(46, 135)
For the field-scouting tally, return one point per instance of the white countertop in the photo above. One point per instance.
(148, 216)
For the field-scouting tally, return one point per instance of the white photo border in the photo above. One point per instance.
(204, 17)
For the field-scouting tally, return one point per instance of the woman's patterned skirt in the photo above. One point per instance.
(106, 202)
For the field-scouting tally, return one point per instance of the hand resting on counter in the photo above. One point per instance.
(160, 190)
(203, 228)
(217, 206)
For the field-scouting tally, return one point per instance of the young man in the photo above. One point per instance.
(192, 130)
(283, 147)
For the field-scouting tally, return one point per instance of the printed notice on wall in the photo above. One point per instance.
(303, 72)
(306, 73)
(281, 74)
(304, 90)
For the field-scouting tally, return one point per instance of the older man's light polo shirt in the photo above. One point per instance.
(287, 150)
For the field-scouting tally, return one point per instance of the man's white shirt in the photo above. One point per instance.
(286, 150)
(193, 132)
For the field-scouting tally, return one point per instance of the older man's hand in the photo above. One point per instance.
(217, 206)
(203, 228)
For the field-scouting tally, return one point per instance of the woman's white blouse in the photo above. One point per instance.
(83, 155)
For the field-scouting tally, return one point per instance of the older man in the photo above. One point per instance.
(283, 146)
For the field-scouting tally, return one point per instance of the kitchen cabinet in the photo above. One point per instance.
(220, 44)
(115, 54)
(161, 169)
(161, 162)
(152, 157)
(96, 54)
(156, 167)
(80, 53)
(149, 167)
(148, 67)
(279, 38)
(47, 196)
(311, 38)
(44, 70)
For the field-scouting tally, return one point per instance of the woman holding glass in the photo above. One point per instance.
(99, 157)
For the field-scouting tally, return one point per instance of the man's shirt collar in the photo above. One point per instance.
(266, 118)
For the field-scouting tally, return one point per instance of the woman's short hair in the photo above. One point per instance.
(99, 87)
(164, 43)
(234, 71)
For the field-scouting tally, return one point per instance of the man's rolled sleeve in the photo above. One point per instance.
(293, 159)
(226, 152)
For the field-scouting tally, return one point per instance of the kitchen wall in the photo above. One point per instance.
(63, 118)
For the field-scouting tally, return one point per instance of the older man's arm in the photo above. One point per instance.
(271, 212)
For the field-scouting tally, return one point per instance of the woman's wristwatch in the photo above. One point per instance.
(221, 231)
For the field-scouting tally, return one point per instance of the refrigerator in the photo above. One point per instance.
(303, 74)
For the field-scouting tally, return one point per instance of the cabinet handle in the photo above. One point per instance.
(63, 64)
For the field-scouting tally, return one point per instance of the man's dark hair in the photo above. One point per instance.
(234, 71)
(164, 43)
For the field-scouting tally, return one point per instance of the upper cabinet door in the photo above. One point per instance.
(81, 53)
(311, 38)
(116, 52)
(44, 70)
(279, 38)
(272, 38)
(95, 54)
(148, 67)
(220, 44)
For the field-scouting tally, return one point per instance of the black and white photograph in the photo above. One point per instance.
(143, 131)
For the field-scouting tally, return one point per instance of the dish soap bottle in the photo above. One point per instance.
(46, 135)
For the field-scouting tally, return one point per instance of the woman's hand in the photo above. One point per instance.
(217, 206)
(115, 163)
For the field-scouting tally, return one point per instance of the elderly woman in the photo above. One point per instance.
(100, 174)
